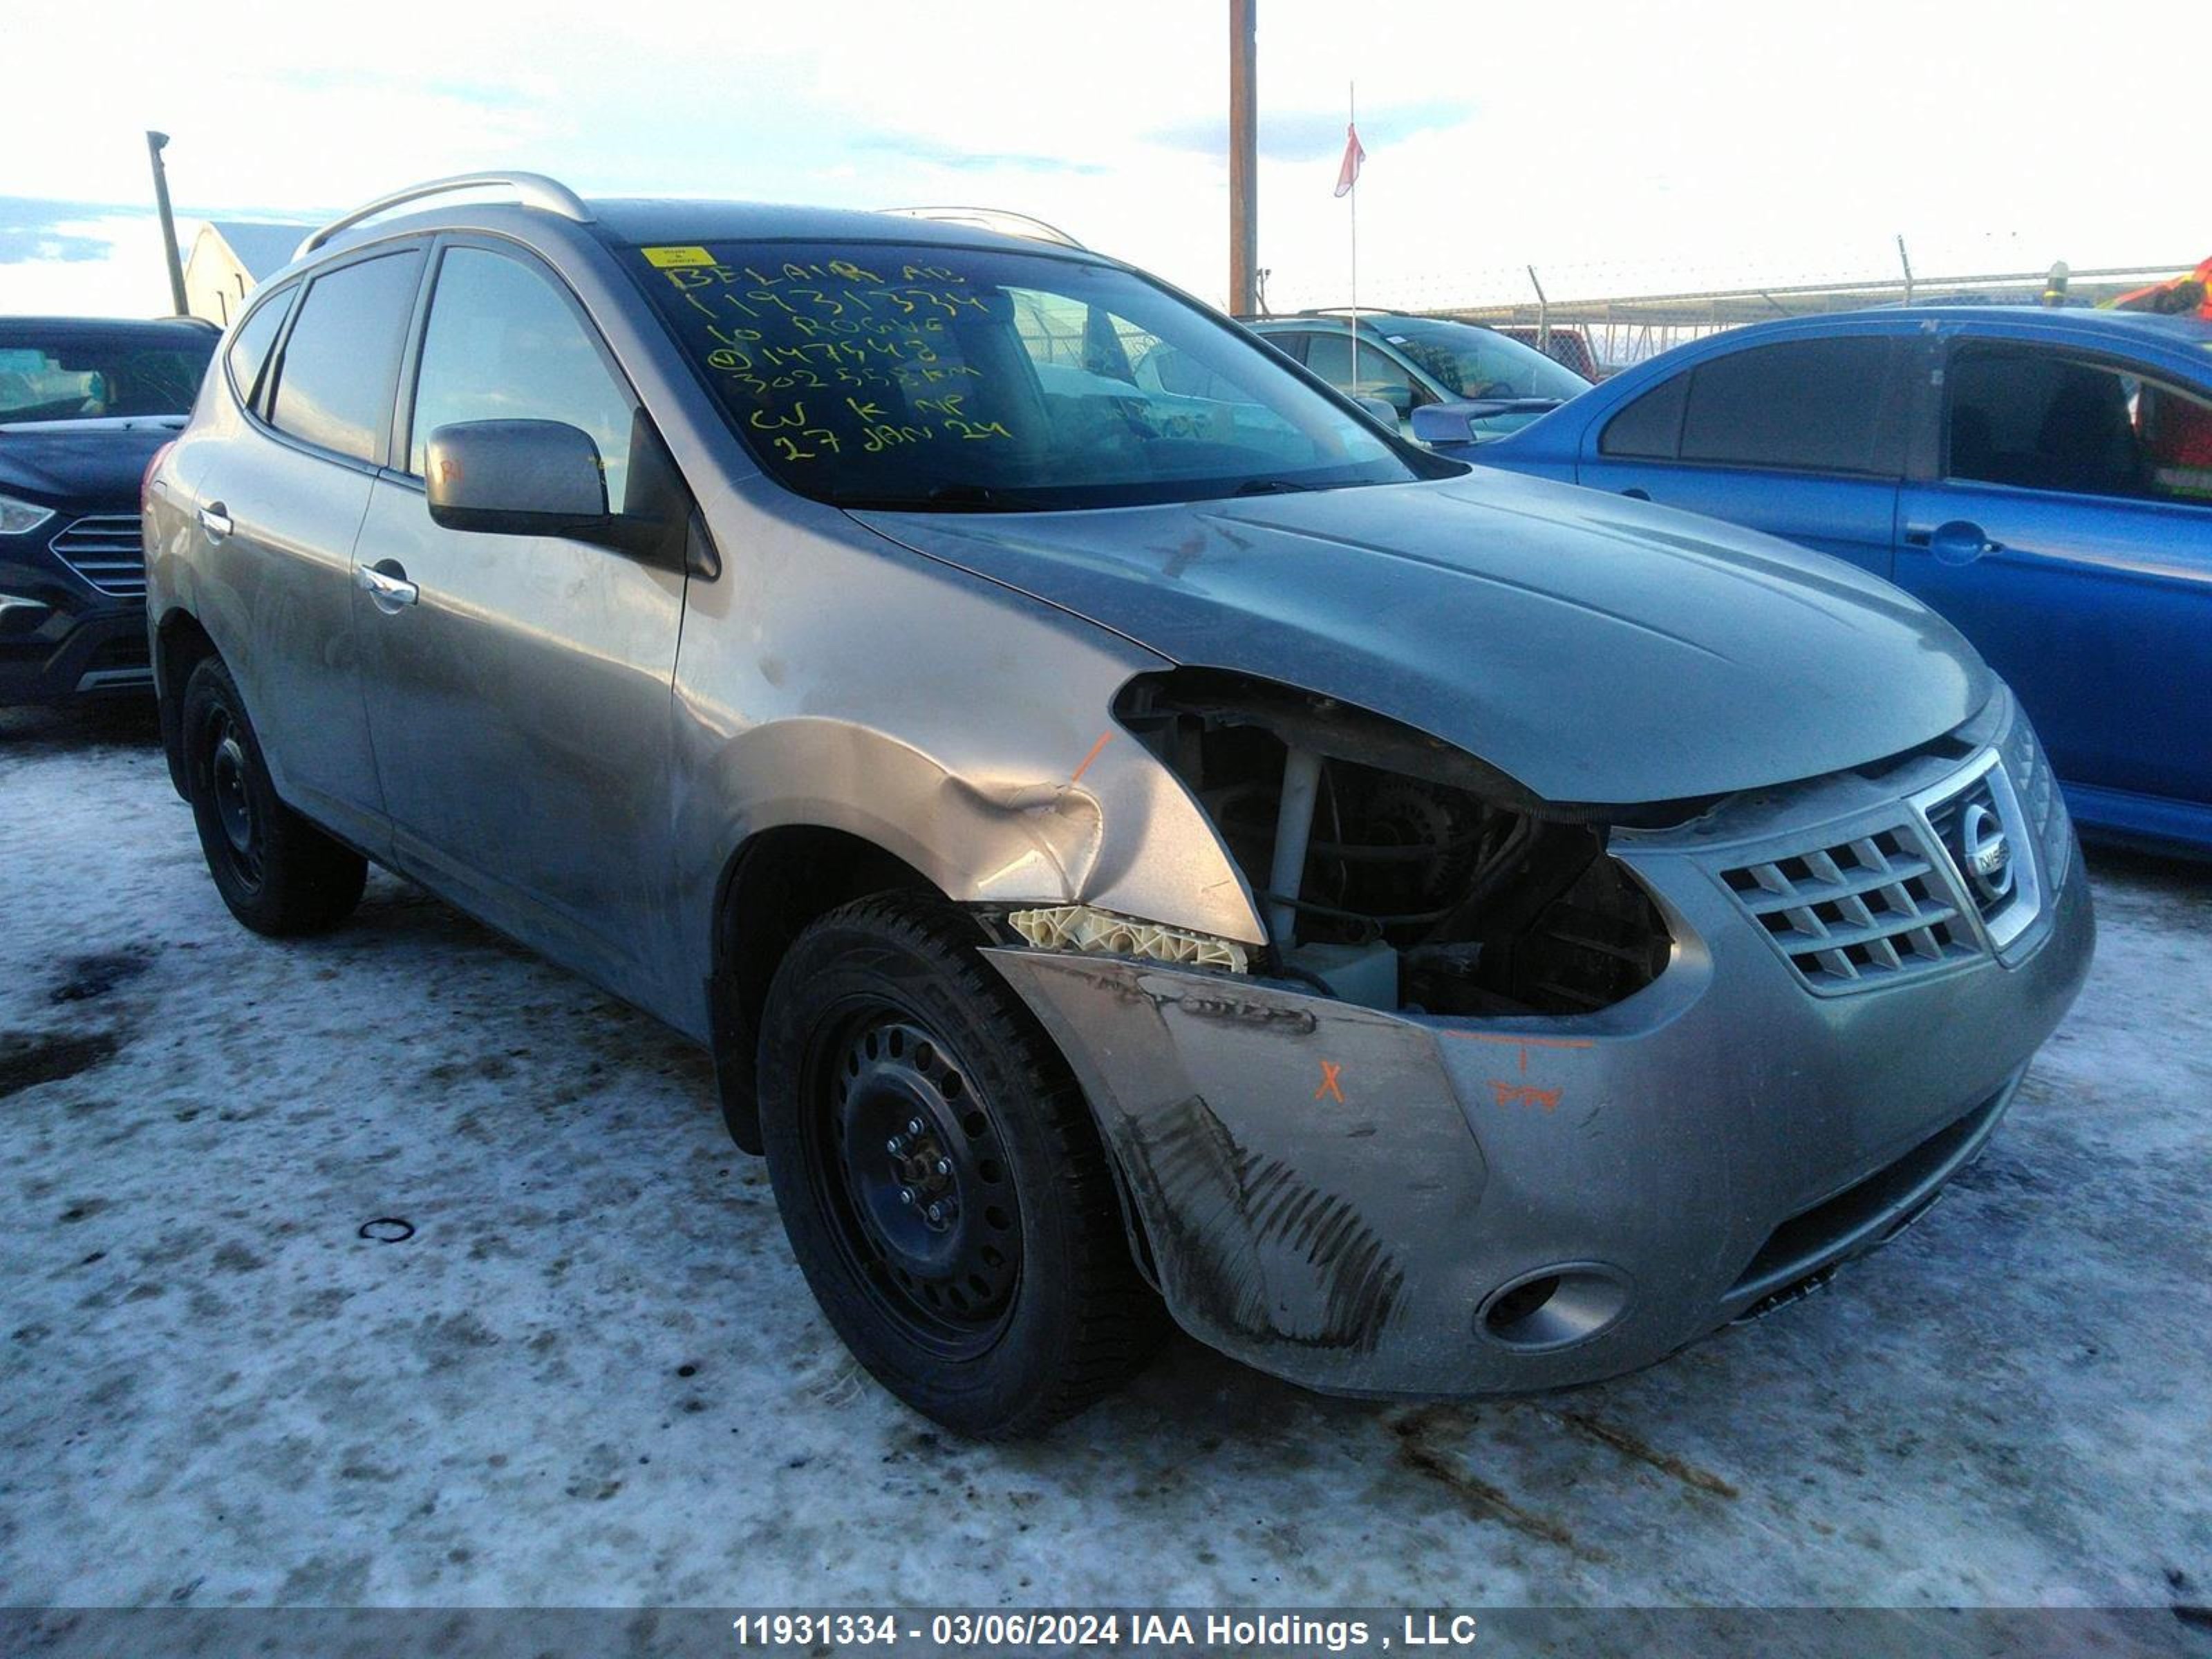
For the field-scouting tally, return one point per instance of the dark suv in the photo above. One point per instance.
(85, 403)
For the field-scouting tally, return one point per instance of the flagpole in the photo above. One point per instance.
(1351, 120)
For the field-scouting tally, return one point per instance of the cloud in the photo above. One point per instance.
(968, 161)
(33, 228)
(1314, 135)
(491, 94)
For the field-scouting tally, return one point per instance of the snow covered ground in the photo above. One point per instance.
(589, 1374)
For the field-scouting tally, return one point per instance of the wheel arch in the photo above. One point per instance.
(776, 883)
(180, 644)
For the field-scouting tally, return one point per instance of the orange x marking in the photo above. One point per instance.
(1330, 1071)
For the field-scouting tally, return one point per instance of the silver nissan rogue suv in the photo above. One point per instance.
(1135, 835)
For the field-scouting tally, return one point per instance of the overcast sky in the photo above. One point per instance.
(1619, 148)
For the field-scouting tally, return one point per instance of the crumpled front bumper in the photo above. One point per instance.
(1334, 1194)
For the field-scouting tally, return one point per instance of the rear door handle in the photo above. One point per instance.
(215, 519)
(1957, 541)
(385, 583)
(1637, 495)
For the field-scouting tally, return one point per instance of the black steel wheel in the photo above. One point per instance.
(242, 843)
(908, 1156)
(278, 873)
(940, 1175)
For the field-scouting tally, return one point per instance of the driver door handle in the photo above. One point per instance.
(215, 519)
(390, 589)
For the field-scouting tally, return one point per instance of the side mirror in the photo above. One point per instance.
(1443, 424)
(517, 479)
(1454, 422)
(1400, 399)
(547, 478)
(1380, 408)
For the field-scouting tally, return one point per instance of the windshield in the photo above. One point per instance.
(1479, 362)
(869, 374)
(87, 375)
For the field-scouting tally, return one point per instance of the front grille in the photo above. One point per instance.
(2045, 808)
(1959, 870)
(1960, 823)
(1984, 828)
(108, 551)
(1863, 911)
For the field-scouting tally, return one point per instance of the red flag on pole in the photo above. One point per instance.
(1348, 174)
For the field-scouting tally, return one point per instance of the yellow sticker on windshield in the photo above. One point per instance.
(675, 258)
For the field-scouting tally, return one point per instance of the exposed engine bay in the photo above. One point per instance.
(1396, 871)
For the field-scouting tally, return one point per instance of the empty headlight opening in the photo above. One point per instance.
(1394, 869)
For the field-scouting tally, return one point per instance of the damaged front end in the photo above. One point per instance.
(1283, 1119)
(1394, 869)
(1515, 1094)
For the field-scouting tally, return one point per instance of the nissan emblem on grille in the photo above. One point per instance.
(1985, 853)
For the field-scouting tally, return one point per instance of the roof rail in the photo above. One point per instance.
(995, 219)
(531, 189)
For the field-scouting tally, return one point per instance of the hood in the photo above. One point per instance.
(79, 465)
(1595, 648)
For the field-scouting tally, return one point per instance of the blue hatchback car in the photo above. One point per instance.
(2042, 478)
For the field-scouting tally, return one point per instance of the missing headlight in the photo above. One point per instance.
(1420, 864)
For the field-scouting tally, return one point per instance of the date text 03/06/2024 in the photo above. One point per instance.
(998, 1628)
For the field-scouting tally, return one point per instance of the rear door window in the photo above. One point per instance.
(2042, 420)
(1802, 405)
(505, 344)
(334, 380)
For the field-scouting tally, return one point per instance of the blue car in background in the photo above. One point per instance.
(2043, 477)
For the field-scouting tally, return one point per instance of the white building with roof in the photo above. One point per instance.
(229, 257)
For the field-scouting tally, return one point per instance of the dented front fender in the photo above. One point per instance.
(966, 730)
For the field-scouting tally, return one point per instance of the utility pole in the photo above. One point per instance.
(155, 142)
(1243, 160)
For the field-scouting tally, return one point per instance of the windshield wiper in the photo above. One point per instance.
(941, 498)
(1272, 487)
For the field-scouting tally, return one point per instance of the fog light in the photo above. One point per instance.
(1554, 1307)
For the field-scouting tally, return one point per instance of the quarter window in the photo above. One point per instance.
(2038, 419)
(505, 344)
(1650, 428)
(334, 380)
(249, 349)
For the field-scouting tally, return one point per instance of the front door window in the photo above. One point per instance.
(2041, 420)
